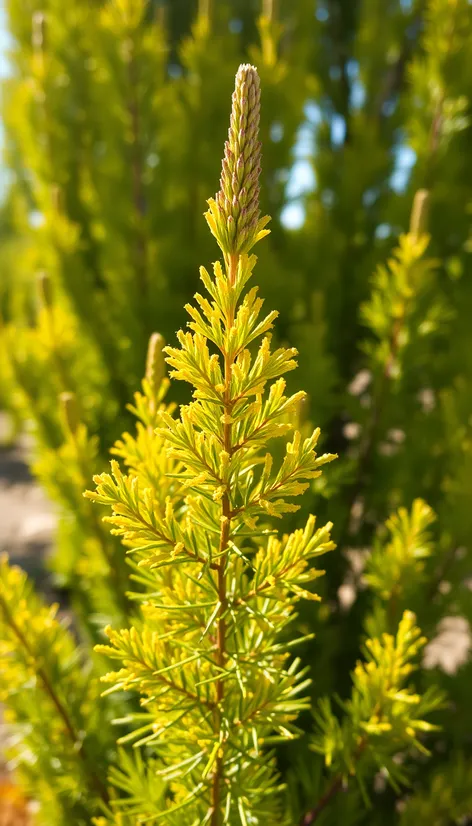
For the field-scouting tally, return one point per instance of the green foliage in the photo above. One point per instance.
(448, 800)
(53, 706)
(398, 566)
(383, 715)
(392, 310)
(114, 120)
(208, 656)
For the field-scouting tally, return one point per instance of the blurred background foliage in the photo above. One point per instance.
(114, 118)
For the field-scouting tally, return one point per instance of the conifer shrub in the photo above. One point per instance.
(206, 717)
(106, 113)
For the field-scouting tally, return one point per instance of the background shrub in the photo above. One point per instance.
(115, 115)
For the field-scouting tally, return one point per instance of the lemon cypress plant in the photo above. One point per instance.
(210, 653)
(209, 658)
(212, 629)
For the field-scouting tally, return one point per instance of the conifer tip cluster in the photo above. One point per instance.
(234, 216)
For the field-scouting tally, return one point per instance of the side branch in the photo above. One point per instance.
(335, 786)
(77, 746)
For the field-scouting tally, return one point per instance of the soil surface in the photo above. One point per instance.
(26, 516)
(27, 523)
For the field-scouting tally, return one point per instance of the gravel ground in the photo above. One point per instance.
(26, 529)
(26, 517)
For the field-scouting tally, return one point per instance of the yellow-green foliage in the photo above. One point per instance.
(207, 655)
(114, 117)
(395, 312)
(61, 732)
(392, 568)
(108, 206)
(384, 715)
(447, 800)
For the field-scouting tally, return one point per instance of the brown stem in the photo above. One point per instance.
(78, 747)
(221, 574)
(170, 541)
(178, 688)
(335, 786)
(331, 791)
(220, 658)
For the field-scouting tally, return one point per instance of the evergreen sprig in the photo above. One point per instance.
(384, 716)
(209, 656)
(197, 497)
(394, 312)
(53, 705)
(393, 567)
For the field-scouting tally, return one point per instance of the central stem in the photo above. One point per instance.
(221, 573)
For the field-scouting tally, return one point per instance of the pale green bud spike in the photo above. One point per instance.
(155, 364)
(420, 213)
(234, 213)
(45, 289)
(70, 410)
